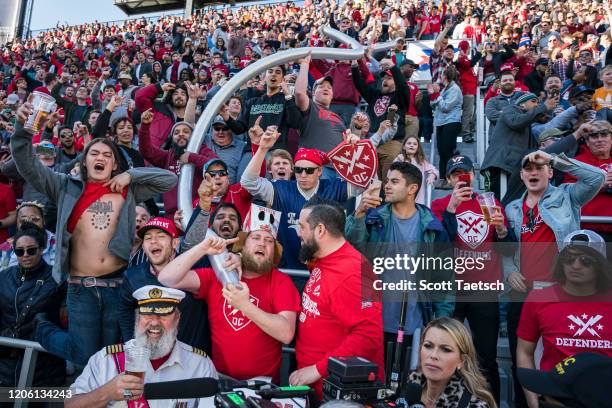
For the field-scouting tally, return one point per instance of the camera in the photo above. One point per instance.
(353, 378)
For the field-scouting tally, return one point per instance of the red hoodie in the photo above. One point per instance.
(469, 81)
(344, 90)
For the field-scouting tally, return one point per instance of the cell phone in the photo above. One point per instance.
(465, 179)
(391, 115)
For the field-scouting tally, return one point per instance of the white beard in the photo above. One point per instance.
(160, 347)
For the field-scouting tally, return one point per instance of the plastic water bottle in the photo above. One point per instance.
(218, 264)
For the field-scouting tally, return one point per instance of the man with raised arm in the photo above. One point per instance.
(249, 324)
(95, 229)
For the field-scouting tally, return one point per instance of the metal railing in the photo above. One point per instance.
(28, 365)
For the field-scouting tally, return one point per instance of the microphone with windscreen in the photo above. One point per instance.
(182, 389)
(413, 395)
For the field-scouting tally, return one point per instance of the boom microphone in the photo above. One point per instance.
(182, 389)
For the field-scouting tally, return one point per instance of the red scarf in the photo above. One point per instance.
(91, 193)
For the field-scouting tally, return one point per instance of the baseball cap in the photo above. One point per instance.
(464, 45)
(541, 61)
(576, 381)
(218, 121)
(386, 73)
(161, 223)
(508, 66)
(459, 162)
(580, 89)
(588, 238)
(321, 80)
(214, 161)
(549, 133)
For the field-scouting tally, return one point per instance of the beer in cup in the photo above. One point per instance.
(43, 105)
(488, 206)
(136, 360)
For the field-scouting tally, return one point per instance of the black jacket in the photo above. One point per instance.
(17, 287)
(193, 327)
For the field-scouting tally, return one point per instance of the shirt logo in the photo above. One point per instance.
(472, 228)
(381, 105)
(585, 323)
(236, 319)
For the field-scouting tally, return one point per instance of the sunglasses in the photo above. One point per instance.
(585, 260)
(220, 173)
(597, 135)
(19, 252)
(308, 170)
(220, 128)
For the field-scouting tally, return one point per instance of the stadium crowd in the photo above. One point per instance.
(95, 255)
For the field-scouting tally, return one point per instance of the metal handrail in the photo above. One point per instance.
(596, 219)
(28, 366)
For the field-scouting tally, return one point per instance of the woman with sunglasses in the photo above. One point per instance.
(28, 289)
(575, 314)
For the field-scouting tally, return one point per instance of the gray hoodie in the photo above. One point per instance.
(65, 191)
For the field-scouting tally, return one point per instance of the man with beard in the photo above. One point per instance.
(225, 219)
(289, 196)
(67, 151)
(160, 242)
(104, 380)
(171, 110)
(337, 318)
(276, 107)
(175, 157)
(250, 323)
(497, 88)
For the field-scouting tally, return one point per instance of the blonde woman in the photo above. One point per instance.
(448, 368)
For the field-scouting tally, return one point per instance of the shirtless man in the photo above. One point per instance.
(95, 229)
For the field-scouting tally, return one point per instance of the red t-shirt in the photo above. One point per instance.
(538, 247)
(7, 204)
(567, 324)
(240, 348)
(336, 319)
(434, 23)
(601, 204)
(474, 238)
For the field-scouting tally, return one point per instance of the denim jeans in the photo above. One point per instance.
(92, 324)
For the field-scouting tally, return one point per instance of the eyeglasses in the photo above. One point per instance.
(586, 260)
(19, 252)
(220, 128)
(220, 173)
(308, 170)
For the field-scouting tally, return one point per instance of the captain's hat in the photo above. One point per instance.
(157, 299)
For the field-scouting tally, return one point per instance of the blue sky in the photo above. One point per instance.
(47, 13)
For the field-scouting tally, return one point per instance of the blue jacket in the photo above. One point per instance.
(448, 106)
(374, 228)
(193, 327)
(560, 206)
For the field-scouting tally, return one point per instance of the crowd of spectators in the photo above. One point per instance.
(80, 199)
